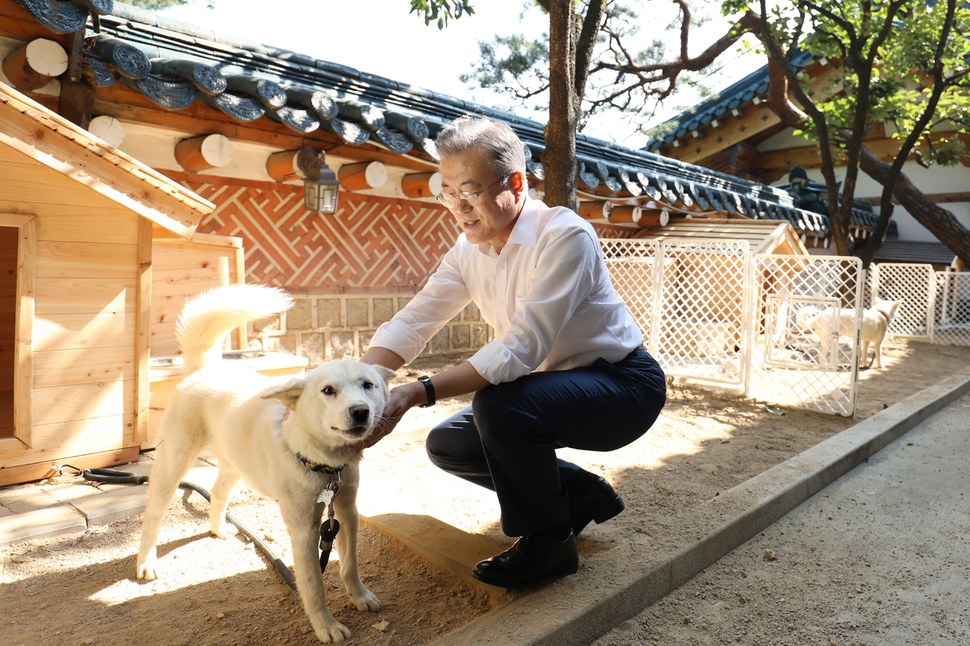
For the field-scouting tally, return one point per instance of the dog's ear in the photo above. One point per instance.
(386, 373)
(289, 393)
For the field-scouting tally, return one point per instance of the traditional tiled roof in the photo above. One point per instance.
(733, 97)
(176, 64)
(753, 87)
(909, 251)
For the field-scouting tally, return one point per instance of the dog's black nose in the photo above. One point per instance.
(360, 414)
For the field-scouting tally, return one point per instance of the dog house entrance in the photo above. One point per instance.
(9, 242)
(17, 252)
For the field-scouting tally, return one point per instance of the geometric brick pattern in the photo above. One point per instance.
(370, 244)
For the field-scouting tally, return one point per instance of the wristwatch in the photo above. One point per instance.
(428, 389)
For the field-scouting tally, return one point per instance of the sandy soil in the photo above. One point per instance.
(80, 589)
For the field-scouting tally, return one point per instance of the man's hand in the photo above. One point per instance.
(400, 401)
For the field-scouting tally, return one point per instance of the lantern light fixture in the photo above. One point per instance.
(320, 184)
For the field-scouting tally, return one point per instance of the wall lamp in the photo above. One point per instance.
(320, 184)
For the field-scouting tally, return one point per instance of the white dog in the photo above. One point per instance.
(293, 443)
(830, 323)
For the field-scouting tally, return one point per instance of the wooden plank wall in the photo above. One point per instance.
(85, 300)
(181, 269)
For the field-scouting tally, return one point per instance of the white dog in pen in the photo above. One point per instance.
(291, 442)
(830, 323)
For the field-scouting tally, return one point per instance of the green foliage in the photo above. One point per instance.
(441, 11)
(879, 80)
(511, 61)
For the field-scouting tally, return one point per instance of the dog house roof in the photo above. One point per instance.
(63, 146)
(763, 236)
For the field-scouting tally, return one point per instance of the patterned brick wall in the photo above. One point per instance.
(370, 244)
(349, 271)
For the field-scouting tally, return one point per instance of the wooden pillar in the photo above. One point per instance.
(417, 185)
(362, 176)
(203, 152)
(35, 64)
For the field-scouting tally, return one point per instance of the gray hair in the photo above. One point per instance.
(506, 152)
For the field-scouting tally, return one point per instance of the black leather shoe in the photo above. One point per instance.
(599, 502)
(530, 559)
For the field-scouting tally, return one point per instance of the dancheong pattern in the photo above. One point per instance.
(371, 243)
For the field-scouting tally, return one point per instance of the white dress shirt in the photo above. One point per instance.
(547, 295)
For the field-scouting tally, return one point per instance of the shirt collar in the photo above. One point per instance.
(524, 231)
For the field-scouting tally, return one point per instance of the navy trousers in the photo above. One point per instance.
(507, 439)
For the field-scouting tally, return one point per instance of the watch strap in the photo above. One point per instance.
(428, 389)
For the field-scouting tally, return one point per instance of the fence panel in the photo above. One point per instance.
(951, 320)
(782, 328)
(632, 268)
(702, 310)
(914, 285)
(805, 341)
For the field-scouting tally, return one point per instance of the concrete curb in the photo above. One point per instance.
(749, 508)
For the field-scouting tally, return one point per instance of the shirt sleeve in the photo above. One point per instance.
(439, 301)
(562, 278)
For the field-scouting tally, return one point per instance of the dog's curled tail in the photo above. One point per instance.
(207, 318)
(805, 316)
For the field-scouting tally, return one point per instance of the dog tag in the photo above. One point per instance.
(326, 496)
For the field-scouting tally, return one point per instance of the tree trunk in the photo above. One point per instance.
(559, 156)
(940, 222)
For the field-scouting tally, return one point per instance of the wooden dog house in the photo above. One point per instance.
(77, 222)
(81, 225)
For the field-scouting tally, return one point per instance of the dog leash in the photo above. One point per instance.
(330, 526)
(114, 476)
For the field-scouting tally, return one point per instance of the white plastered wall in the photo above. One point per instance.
(933, 180)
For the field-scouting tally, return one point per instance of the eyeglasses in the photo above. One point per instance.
(450, 200)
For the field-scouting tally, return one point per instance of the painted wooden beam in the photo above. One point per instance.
(625, 214)
(33, 65)
(417, 185)
(202, 153)
(362, 176)
(107, 129)
(283, 166)
(595, 209)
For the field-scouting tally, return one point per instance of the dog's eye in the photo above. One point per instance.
(329, 390)
(367, 385)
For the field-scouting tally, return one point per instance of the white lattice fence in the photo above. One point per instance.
(632, 268)
(712, 312)
(951, 320)
(805, 350)
(688, 298)
(698, 331)
(914, 285)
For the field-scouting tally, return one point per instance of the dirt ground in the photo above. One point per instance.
(80, 589)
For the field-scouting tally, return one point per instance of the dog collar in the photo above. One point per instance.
(316, 467)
